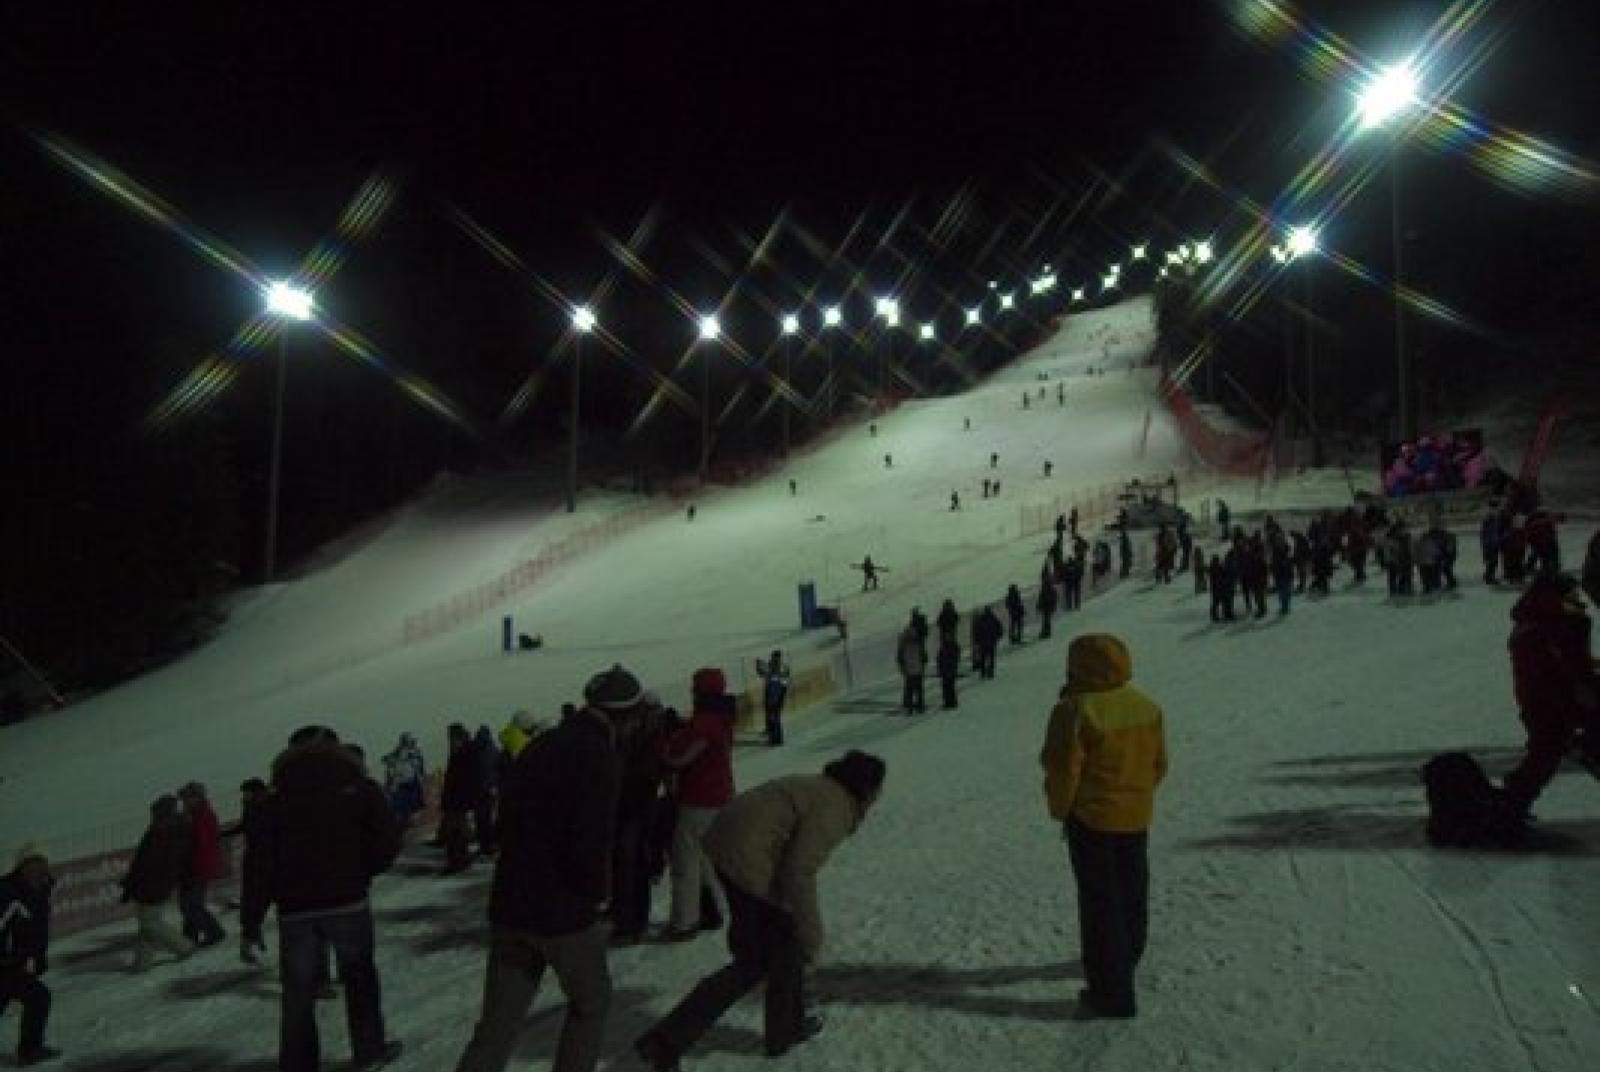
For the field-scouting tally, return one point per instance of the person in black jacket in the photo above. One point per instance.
(327, 831)
(557, 813)
(640, 728)
(460, 797)
(24, 949)
(158, 867)
(1015, 612)
(987, 632)
(253, 903)
(948, 662)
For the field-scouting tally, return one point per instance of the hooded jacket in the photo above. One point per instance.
(771, 841)
(206, 862)
(161, 862)
(706, 781)
(1104, 751)
(1549, 647)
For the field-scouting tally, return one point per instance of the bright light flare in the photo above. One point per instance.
(1202, 252)
(1077, 293)
(832, 316)
(1139, 252)
(791, 324)
(710, 328)
(1007, 300)
(1108, 283)
(974, 315)
(583, 320)
(1303, 241)
(287, 300)
(926, 332)
(1393, 91)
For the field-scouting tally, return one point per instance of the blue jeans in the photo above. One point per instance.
(301, 952)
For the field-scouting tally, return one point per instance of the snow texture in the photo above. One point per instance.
(1298, 919)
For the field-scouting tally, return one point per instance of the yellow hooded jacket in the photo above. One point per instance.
(1104, 753)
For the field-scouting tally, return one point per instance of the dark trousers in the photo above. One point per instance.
(1221, 605)
(301, 957)
(986, 661)
(911, 694)
(34, 997)
(1044, 623)
(947, 686)
(453, 832)
(1113, 879)
(199, 925)
(630, 878)
(762, 940)
(517, 962)
(1491, 564)
(1550, 736)
(775, 723)
(1074, 594)
(483, 823)
(1015, 630)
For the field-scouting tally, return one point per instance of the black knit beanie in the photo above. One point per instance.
(860, 773)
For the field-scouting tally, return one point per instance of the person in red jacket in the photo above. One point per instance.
(1553, 676)
(702, 754)
(205, 867)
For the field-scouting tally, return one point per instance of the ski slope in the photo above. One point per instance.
(1297, 919)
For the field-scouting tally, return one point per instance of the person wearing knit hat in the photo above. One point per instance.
(24, 948)
(614, 690)
(639, 729)
(768, 845)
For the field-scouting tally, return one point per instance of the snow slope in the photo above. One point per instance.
(1298, 921)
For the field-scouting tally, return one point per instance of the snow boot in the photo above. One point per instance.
(38, 1055)
(810, 1027)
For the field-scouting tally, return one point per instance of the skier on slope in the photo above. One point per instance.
(869, 573)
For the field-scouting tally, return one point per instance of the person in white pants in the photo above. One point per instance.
(702, 755)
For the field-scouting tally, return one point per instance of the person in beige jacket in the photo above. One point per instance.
(768, 845)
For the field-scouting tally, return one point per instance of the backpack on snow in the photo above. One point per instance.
(1464, 807)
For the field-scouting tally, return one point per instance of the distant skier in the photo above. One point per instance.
(966, 424)
(794, 488)
(690, 512)
(997, 489)
(994, 460)
(955, 500)
(869, 573)
(888, 461)
(872, 430)
(1061, 394)
(985, 487)
(1024, 400)
(1047, 468)
(1016, 611)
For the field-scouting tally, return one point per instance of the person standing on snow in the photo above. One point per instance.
(769, 845)
(205, 867)
(641, 727)
(912, 660)
(1124, 553)
(1197, 562)
(404, 779)
(1072, 582)
(948, 663)
(869, 574)
(702, 755)
(1046, 605)
(489, 763)
(159, 865)
(551, 880)
(254, 880)
(459, 798)
(1553, 676)
(1491, 533)
(949, 619)
(1104, 755)
(328, 832)
(25, 950)
(774, 693)
(1015, 613)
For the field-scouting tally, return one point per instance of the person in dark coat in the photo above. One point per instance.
(460, 797)
(1124, 553)
(641, 730)
(25, 950)
(327, 831)
(1202, 573)
(1046, 606)
(253, 878)
(949, 619)
(489, 763)
(774, 675)
(1491, 533)
(1553, 676)
(1591, 570)
(205, 867)
(1222, 580)
(1015, 613)
(1072, 582)
(948, 663)
(557, 820)
(987, 632)
(160, 864)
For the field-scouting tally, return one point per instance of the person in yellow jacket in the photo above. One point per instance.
(522, 728)
(1103, 756)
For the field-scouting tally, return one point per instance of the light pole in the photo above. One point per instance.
(889, 309)
(1389, 95)
(791, 328)
(582, 323)
(832, 317)
(287, 302)
(710, 329)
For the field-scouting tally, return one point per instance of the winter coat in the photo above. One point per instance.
(638, 735)
(948, 659)
(1105, 750)
(771, 841)
(910, 656)
(775, 682)
(707, 780)
(327, 830)
(1046, 603)
(1550, 663)
(488, 759)
(205, 862)
(24, 921)
(255, 877)
(160, 863)
(463, 778)
(1424, 550)
(1591, 570)
(1014, 606)
(987, 630)
(949, 618)
(558, 813)
(513, 739)
(404, 766)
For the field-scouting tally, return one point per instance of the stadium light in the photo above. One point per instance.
(1392, 91)
(926, 332)
(1202, 252)
(1302, 241)
(1139, 252)
(583, 322)
(791, 323)
(1109, 283)
(289, 301)
(1007, 300)
(1077, 294)
(974, 315)
(710, 328)
(832, 317)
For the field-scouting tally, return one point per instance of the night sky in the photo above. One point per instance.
(984, 139)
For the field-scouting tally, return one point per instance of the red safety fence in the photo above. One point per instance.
(1234, 453)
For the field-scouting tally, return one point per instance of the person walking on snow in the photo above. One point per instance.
(25, 950)
(205, 867)
(986, 632)
(551, 881)
(769, 845)
(158, 867)
(459, 797)
(948, 663)
(1046, 606)
(1015, 613)
(1104, 755)
(774, 675)
(702, 755)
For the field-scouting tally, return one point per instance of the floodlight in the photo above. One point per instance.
(1007, 300)
(583, 319)
(926, 331)
(1302, 241)
(1202, 252)
(1139, 252)
(1077, 293)
(832, 317)
(1109, 283)
(286, 299)
(1393, 91)
(791, 323)
(974, 315)
(710, 328)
